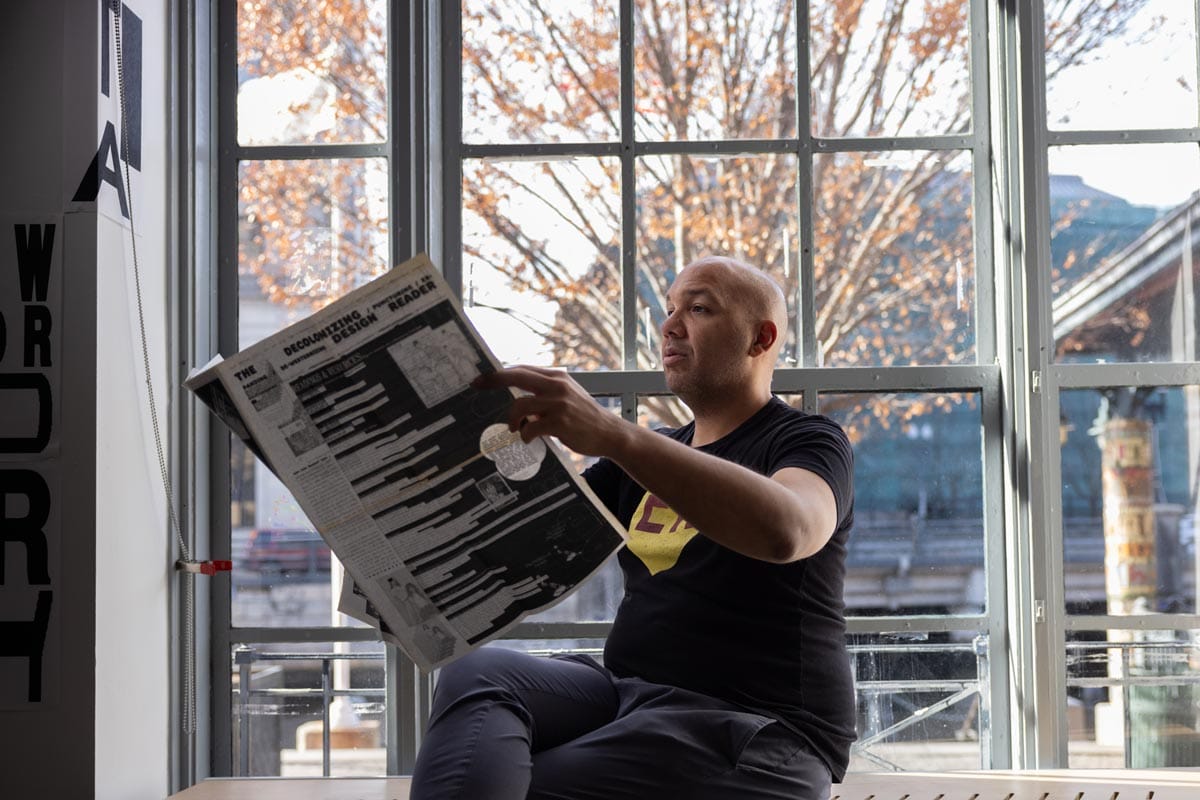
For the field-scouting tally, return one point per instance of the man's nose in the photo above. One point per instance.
(671, 326)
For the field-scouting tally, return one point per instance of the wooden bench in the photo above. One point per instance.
(1162, 784)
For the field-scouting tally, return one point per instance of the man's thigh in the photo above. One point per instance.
(683, 752)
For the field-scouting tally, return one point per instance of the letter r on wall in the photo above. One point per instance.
(29, 529)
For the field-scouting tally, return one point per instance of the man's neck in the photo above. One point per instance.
(725, 416)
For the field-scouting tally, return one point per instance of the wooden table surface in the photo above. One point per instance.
(992, 785)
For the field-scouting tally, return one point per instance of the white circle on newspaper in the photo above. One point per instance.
(514, 459)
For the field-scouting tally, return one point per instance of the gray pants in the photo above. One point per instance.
(508, 726)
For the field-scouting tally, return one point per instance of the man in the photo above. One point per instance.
(726, 674)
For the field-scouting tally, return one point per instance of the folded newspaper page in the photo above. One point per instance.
(450, 528)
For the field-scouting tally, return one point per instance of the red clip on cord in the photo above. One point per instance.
(204, 567)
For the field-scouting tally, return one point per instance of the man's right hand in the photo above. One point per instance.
(557, 406)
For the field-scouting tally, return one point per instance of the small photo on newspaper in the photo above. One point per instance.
(450, 528)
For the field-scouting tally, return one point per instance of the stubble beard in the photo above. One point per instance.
(701, 395)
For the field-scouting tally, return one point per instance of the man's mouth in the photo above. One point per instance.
(672, 357)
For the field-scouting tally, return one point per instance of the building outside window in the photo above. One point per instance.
(988, 256)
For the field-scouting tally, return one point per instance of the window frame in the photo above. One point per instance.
(984, 377)
(1014, 373)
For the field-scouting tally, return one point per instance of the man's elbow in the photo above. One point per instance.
(795, 543)
(801, 534)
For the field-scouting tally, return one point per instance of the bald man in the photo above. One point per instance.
(725, 674)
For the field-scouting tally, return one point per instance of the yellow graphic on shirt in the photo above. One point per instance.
(657, 534)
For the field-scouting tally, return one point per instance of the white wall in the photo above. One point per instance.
(133, 549)
(101, 727)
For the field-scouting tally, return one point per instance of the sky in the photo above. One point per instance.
(1151, 84)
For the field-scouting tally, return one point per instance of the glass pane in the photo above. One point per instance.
(894, 258)
(1130, 461)
(881, 68)
(542, 260)
(540, 71)
(928, 691)
(1120, 65)
(1123, 256)
(309, 73)
(1133, 699)
(278, 706)
(692, 206)
(715, 71)
(309, 231)
(917, 546)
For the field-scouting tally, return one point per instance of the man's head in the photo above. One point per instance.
(725, 324)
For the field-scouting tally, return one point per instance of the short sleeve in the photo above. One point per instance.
(819, 445)
(604, 479)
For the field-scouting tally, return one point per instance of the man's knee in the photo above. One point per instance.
(480, 673)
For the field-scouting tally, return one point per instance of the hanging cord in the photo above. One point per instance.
(185, 563)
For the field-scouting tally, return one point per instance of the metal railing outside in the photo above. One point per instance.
(872, 693)
(245, 658)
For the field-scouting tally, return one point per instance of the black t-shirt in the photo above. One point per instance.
(697, 615)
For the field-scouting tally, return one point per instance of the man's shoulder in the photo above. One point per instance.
(784, 416)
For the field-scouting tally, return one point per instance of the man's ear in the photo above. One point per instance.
(764, 338)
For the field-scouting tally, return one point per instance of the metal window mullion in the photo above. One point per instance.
(806, 306)
(629, 348)
(410, 711)
(718, 147)
(183, 744)
(986, 345)
(1146, 136)
(1085, 376)
(558, 630)
(302, 635)
(996, 749)
(226, 189)
(1045, 688)
(951, 378)
(999, 698)
(541, 152)
(433, 141)
(628, 406)
(309, 152)
(810, 393)
(326, 700)
(405, 125)
(915, 624)
(450, 97)
(1138, 622)
(860, 144)
(1009, 142)
(400, 127)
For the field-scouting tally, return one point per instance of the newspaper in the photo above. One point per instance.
(450, 528)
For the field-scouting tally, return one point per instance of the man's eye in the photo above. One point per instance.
(699, 308)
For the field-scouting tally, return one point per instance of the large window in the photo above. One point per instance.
(1119, 439)
(1010, 344)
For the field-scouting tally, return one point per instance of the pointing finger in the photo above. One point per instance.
(527, 378)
